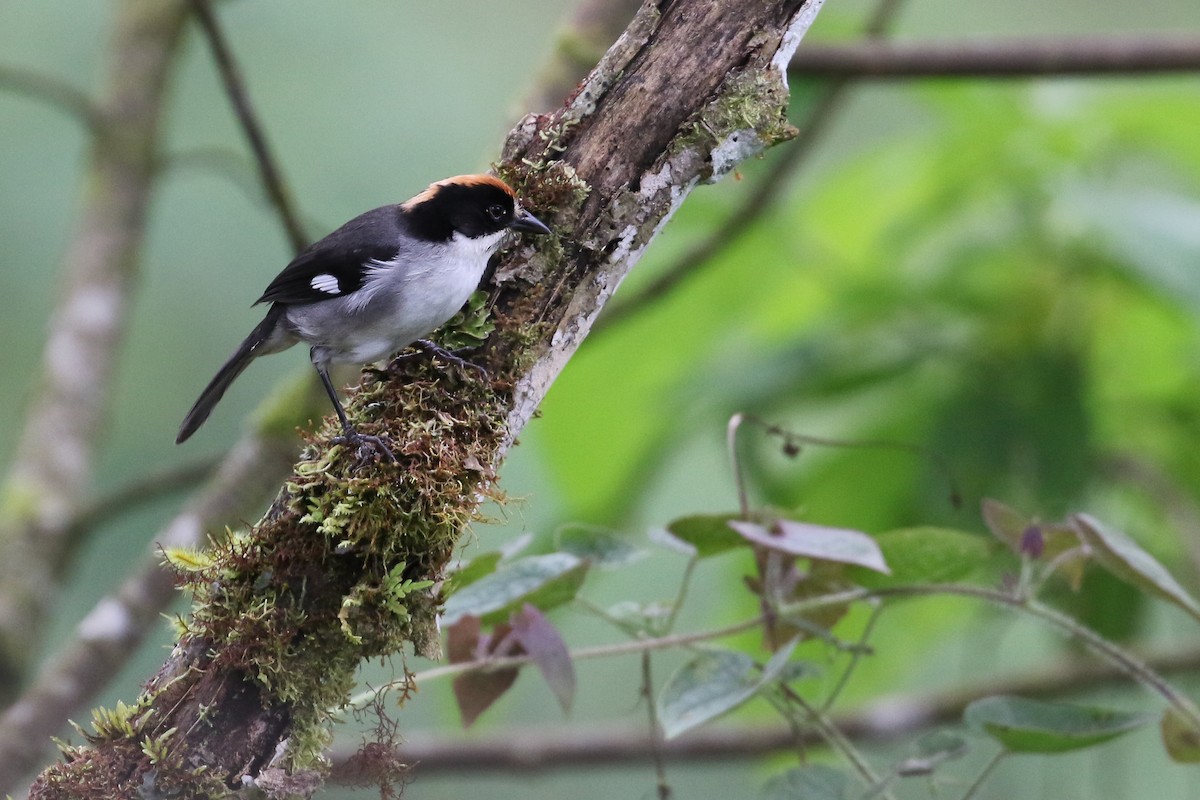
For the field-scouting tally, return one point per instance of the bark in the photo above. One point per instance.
(334, 573)
(52, 469)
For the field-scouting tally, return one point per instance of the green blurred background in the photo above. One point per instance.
(1004, 273)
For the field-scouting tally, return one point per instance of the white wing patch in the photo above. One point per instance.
(325, 283)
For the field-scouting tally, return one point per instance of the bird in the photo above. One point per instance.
(382, 281)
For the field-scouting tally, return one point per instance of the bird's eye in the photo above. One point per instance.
(496, 212)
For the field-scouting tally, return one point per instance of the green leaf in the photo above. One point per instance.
(1032, 726)
(1124, 558)
(1180, 738)
(839, 545)
(544, 581)
(925, 555)
(712, 684)
(710, 534)
(479, 566)
(810, 782)
(599, 546)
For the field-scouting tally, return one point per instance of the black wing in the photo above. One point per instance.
(337, 264)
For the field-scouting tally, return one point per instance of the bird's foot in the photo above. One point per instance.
(365, 447)
(442, 353)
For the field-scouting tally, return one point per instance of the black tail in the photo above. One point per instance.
(247, 351)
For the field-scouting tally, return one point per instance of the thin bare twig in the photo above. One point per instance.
(53, 92)
(599, 651)
(653, 730)
(239, 98)
(1026, 58)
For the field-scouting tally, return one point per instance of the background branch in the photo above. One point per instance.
(991, 59)
(889, 719)
(592, 28)
(52, 469)
(54, 93)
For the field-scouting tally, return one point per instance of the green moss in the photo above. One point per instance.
(342, 569)
(749, 101)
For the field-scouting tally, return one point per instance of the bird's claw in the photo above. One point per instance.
(365, 447)
(442, 353)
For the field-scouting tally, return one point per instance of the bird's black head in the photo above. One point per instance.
(472, 205)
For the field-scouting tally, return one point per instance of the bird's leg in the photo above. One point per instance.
(361, 442)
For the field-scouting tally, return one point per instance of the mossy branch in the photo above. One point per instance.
(347, 563)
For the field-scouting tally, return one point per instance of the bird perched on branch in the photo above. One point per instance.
(380, 282)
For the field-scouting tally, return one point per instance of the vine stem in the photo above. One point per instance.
(1124, 660)
(599, 651)
(837, 740)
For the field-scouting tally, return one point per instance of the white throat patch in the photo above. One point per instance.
(478, 247)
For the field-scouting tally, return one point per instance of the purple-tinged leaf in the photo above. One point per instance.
(839, 545)
(542, 641)
(1029, 538)
(476, 691)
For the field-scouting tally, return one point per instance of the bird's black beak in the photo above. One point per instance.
(528, 223)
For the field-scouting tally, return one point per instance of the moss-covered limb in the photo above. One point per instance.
(86, 663)
(52, 470)
(347, 563)
(680, 99)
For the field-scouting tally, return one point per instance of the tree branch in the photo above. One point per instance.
(816, 121)
(239, 98)
(117, 625)
(50, 474)
(331, 576)
(991, 59)
(54, 93)
(889, 719)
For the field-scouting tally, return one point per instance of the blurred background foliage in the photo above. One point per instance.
(1000, 273)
